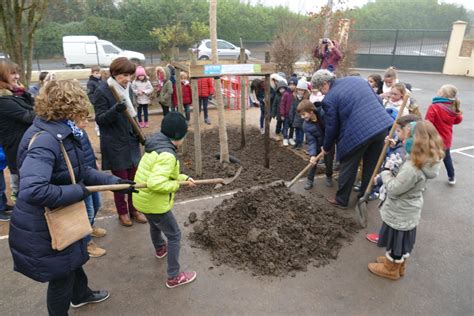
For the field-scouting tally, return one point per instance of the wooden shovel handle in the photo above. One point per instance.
(309, 166)
(204, 181)
(135, 127)
(113, 187)
(384, 150)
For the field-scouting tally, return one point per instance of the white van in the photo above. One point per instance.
(86, 51)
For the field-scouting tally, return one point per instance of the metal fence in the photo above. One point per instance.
(405, 49)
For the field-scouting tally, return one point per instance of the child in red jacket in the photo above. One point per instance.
(205, 89)
(187, 95)
(444, 112)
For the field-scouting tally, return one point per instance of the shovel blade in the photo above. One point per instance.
(361, 212)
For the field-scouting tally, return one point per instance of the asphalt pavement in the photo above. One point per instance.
(438, 281)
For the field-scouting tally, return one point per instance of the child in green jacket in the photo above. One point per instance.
(159, 169)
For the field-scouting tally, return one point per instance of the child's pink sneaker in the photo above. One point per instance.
(141, 124)
(146, 124)
(372, 238)
(182, 279)
(161, 252)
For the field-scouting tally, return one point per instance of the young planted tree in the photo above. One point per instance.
(224, 147)
(20, 19)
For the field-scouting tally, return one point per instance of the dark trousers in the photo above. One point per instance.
(279, 126)
(187, 112)
(328, 162)
(203, 103)
(369, 153)
(166, 224)
(299, 136)
(143, 107)
(448, 163)
(166, 109)
(119, 198)
(3, 197)
(61, 292)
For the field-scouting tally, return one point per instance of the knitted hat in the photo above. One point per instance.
(293, 81)
(303, 85)
(174, 126)
(140, 71)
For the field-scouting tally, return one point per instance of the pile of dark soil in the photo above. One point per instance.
(273, 231)
(284, 164)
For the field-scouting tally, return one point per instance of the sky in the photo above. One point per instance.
(304, 6)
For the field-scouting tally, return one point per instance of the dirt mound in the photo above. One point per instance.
(272, 231)
(284, 164)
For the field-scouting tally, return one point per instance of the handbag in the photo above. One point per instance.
(70, 223)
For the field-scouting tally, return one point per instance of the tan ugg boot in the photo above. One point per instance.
(390, 269)
(382, 259)
(94, 250)
(98, 232)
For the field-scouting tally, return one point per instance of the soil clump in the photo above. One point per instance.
(273, 231)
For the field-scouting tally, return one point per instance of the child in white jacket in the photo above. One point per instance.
(142, 89)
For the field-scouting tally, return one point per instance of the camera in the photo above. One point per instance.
(325, 40)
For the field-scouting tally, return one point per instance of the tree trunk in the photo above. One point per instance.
(224, 148)
(327, 22)
(20, 19)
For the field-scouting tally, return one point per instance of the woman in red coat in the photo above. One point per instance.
(444, 112)
(205, 89)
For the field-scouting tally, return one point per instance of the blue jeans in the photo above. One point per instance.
(93, 203)
(286, 127)
(3, 197)
(203, 102)
(299, 136)
(166, 224)
(448, 163)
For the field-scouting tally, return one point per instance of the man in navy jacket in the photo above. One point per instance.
(357, 122)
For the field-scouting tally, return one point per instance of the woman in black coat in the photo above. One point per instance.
(119, 145)
(16, 115)
(45, 182)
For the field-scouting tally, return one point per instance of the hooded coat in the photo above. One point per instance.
(329, 58)
(45, 182)
(118, 143)
(443, 119)
(402, 207)
(275, 106)
(159, 169)
(166, 92)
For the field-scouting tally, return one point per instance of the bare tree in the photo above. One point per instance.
(224, 147)
(20, 19)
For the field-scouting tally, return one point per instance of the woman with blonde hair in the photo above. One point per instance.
(45, 182)
(401, 209)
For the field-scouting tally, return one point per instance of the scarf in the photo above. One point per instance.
(76, 131)
(124, 93)
(441, 100)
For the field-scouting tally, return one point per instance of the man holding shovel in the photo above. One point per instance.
(357, 122)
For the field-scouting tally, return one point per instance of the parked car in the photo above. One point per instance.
(225, 50)
(4, 55)
(86, 51)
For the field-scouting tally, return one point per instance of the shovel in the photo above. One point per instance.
(302, 173)
(361, 206)
(116, 187)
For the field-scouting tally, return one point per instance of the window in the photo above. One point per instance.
(208, 45)
(109, 49)
(224, 45)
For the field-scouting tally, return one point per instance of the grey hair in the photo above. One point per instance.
(322, 76)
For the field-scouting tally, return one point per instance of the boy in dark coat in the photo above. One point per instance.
(275, 108)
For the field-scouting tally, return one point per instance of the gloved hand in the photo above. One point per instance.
(85, 192)
(120, 106)
(128, 190)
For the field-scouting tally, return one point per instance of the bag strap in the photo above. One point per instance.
(68, 163)
(64, 152)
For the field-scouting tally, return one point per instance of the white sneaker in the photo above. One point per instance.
(452, 181)
(285, 142)
(262, 131)
(292, 142)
